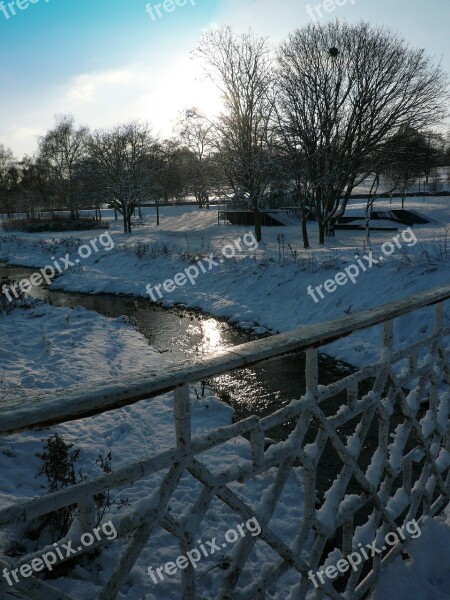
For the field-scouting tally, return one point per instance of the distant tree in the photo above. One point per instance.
(124, 167)
(405, 157)
(28, 197)
(9, 177)
(427, 148)
(445, 158)
(242, 68)
(340, 107)
(64, 147)
(197, 136)
(383, 180)
(172, 156)
(37, 185)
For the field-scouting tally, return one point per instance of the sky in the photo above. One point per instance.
(112, 61)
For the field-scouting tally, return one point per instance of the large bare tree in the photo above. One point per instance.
(343, 90)
(241, 65)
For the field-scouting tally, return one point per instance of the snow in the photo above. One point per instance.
(254, 289)
(263, 291)
(374, 470)
(443, 411)
(50, 348)
(74, 346)
(426, 574)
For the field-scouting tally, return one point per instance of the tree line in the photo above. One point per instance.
(302, 124)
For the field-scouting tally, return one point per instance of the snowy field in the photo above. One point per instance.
(48, 348)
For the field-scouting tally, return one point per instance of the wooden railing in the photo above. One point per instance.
(400, 401)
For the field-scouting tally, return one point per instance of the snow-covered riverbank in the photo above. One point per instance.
(262, 289)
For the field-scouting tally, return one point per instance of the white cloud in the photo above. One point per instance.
(103, 99)
(22, 140)
(87, 87)
(155, 91)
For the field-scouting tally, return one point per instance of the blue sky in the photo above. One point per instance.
(107, 61)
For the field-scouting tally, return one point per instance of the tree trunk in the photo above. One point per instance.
(305, 233)
(368, 218)
(257, 219)
(368, 230)
(157, 213)
(321, 233)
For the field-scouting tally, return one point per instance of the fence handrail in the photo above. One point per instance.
(35, 410)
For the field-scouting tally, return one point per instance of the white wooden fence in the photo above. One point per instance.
(406, 476)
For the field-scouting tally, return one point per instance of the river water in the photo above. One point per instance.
(182, 333)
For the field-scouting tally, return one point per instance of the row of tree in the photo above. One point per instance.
(302, 125)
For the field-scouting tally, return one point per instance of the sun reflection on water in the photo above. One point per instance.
(211, 337)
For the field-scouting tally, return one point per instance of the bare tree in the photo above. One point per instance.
(380, 184)
(64, 147)
(171, 158)
(196, 134)
(242, 67)
(8, 180)
(291, 165)
(430, 148)
(124, 167)
(343, 90)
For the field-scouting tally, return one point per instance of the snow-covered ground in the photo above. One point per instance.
(438, 182)
(48, 348)
(253, 288)
(51, 348)
(41, 339)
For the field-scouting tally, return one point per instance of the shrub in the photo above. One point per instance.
(55, 223)
(59, 466)
(5, 305)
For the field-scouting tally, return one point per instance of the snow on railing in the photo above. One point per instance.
(390, 436)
